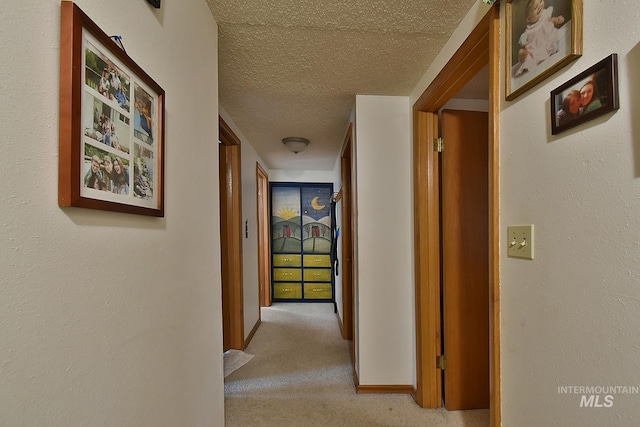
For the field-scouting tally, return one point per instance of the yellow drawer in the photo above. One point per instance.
(287, 291)
(287, 260)
(317, 260)
(287, 274)
(317, 275)
(317, 291)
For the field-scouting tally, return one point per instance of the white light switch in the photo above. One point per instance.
(520, 241)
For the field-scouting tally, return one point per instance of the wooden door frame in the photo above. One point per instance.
(264, 267)
(471, 57)
(231, 235)
(346, 195)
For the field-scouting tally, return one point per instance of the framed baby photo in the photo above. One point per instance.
(542, 37)
(588, 95)
(111, 140)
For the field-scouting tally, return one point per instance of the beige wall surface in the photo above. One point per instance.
(384, 292)
(282, 175)
(571, 317)
(110, 319)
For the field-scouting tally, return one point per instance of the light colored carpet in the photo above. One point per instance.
(234, 360)
(301, 376)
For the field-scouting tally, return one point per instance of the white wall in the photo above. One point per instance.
(251, 286)
(571, 316)
(282, 175)
(385, 314)
(109, 318)
(467, 104)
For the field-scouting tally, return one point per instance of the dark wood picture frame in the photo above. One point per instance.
(111, 136)
(588, 95)
(522, 76)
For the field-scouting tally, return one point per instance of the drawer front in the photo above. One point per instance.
(287, 274)
(287, 260)
(317, 275)
(287, 291)
(317, 291)
(317, 260)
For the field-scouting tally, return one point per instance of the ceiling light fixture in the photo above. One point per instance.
(295, 144)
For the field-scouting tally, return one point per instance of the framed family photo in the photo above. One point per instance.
(588, 95)
(111, 123)
(542, 37)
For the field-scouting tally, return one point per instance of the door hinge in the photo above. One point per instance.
(438, 144)
(441, 362)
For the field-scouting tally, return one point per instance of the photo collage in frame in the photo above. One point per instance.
(119, 123)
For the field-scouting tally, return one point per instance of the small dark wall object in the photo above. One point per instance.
(155, 3)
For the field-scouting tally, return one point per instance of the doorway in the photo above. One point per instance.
(482, 47)
(346, 197)
(231, 238)
(262, 185)
(464, 242)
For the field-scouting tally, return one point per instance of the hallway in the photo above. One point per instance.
(301, 375)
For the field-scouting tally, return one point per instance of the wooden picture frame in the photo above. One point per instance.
(558, 28)
(111, 153)
(588, 95)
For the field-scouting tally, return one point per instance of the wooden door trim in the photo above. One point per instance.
(471, 57)
(227, 135)
(426, 217)
(224, 239)
(264, 242)
(495, 387)
(231, 240)
(346, 195)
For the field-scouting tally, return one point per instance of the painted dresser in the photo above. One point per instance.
(301, 238)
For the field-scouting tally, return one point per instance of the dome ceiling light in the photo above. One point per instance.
(295, 144)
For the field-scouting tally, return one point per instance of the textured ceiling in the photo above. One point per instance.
(293, 67)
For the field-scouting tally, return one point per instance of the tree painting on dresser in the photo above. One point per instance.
(316, 219)
(285, 220)
(301, 237)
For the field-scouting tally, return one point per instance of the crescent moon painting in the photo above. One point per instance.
(315, 205)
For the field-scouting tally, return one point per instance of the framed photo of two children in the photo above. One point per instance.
(111, 123)
(542, 37)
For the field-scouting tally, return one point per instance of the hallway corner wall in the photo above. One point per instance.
(250, 288)
(110, 318)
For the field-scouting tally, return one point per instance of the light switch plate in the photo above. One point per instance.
(520, 241)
